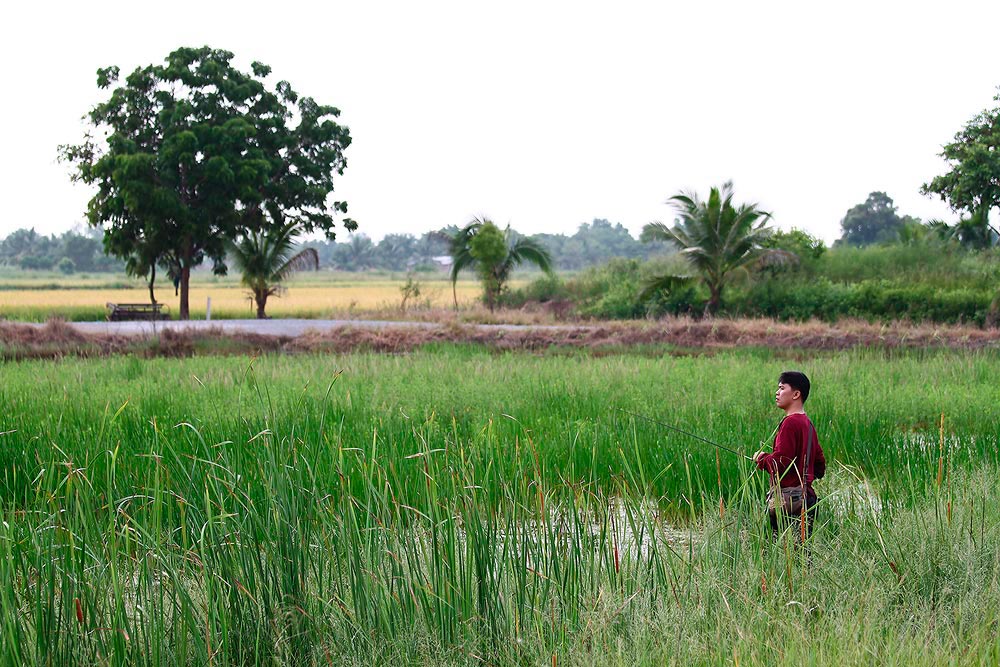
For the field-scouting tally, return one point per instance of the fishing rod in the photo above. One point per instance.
(690, 435)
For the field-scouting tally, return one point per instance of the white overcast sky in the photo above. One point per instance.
(543, 114)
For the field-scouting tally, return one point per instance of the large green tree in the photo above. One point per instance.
(493, 253)
(193, 153)
(716, 236)
(972, 183)
(873, 221)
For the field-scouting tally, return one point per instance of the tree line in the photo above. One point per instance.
(70, 252)
(195, 161)
(593, 243)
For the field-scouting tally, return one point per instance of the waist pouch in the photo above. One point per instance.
(789, 500)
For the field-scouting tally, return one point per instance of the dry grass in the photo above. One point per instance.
(233, 302)
(56, 338)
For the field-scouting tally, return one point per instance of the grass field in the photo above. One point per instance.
(459, 506)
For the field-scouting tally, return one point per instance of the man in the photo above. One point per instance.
(797, 459)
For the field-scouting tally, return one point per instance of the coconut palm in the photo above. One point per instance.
(974, 232)
(494, 268)
(266, 260)
(717, 238)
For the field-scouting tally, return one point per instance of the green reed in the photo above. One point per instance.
(455, 506)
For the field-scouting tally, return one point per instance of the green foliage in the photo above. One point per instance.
(488, 249)
(266, 258)
(873, 221)
(453, 509)
(493, 254)
(548, 287)
(198, 153)
(27, 249)
(609, 291)
(615, 291)
(66, 266)
(597, 242)
(920, 282)
(971, 231)
(592, 244)
(411, 291)
(943, 266)
(715, 236)
(972, 183)
(803, 250)
(869, 300)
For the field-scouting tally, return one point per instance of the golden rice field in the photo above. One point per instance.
(304, 299)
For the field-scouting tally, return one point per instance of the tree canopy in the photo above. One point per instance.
(873, 221)
(972, 183)
(193, 153)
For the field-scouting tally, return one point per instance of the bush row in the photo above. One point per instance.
(612, 291)
(868, 299)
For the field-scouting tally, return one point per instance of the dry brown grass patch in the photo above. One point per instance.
(57, 338)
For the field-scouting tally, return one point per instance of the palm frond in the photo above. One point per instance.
(522, 249)
(657, 231)
(666, 283)
(458, 247)
(305, 259)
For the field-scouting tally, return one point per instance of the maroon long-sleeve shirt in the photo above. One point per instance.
(788, 457)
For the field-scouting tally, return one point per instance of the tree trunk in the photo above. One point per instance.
(713, 300)
(152, 279)
(185, 285)
(261, 300)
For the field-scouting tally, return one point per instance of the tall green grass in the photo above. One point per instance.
(456, 506)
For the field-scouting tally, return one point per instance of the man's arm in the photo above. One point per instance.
(785, 450)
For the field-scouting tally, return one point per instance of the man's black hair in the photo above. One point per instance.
(796, 380)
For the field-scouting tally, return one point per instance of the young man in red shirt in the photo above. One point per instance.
(797, 459)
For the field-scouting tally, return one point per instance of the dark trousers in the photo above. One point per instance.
(780, 520)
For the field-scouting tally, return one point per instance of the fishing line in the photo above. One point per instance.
(682, 431)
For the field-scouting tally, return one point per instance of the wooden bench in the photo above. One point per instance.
(121, 312)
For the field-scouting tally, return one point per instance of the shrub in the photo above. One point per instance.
(609, 291)
(541, 290)
(869, 299)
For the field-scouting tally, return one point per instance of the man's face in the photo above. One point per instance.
(785, 395)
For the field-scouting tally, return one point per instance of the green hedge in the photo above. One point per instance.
(869, 299)
(611, 292)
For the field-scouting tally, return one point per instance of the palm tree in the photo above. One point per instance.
(494, 268)
(974, 232)
(266, 260)
(716, 237)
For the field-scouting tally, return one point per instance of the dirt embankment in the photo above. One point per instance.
(58, 339)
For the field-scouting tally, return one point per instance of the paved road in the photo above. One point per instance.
(289, 328)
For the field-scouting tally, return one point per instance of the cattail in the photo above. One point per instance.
(79, 611)
(940, 474)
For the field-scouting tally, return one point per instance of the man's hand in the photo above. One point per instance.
(756, 457)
